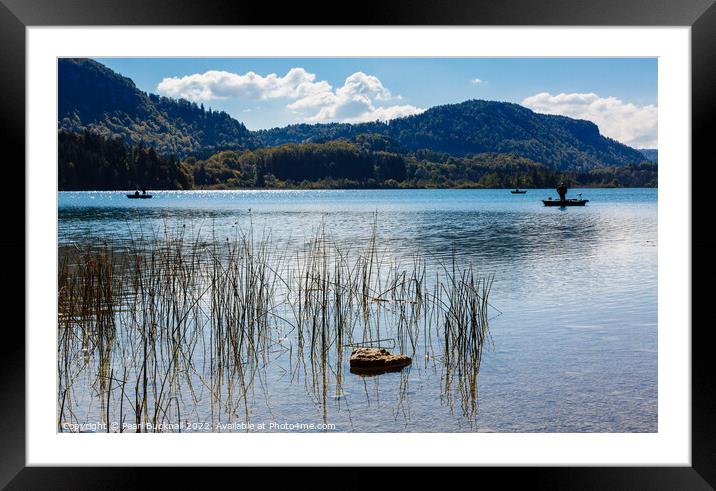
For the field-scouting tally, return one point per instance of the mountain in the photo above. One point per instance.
(479, 126)
(650, 154)
(93, 97)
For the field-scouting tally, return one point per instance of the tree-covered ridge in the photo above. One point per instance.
(93, 97)
(650, 154)
(343, 164)
(88, 161)
(296, 163)
(479, 126)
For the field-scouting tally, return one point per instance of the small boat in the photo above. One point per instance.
(566, 202)
(518, 191)
(139, 196)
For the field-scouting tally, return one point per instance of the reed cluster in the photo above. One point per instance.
(171, 324)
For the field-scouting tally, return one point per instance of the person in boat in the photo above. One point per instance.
(144, 191)
(136, 193)
(562, 190)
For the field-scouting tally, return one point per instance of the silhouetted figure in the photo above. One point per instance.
(562, 190)
(136, 193)
(144, 191)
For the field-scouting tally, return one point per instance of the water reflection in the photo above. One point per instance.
(191, 324)
(594, 267)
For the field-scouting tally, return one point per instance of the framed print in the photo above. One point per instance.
(431, 236)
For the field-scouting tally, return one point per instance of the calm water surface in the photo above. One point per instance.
(575, 345)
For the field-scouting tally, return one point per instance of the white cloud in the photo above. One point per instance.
(362, 97)
(355, 101)
(385, 113)
(223, 85)
(477, 81)
(626, 122)
(364, 85)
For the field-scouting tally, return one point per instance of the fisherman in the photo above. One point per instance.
(562, 190)
(144, 190)
(136, 193)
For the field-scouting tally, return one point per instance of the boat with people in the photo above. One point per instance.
(518, 191)
(566, 202)
(563, 200)
(137, 195)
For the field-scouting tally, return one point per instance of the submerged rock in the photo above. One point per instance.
(377, 360)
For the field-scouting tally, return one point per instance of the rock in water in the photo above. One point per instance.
(377, 360)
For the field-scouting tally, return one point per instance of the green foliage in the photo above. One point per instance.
(88, 161)
(644, 174)
(293, 163)
(473, 127)
(650, 154)
(114, 136)
(93, 97)
(485, 170)
(340, 164)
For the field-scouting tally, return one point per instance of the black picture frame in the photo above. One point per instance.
(700, 15)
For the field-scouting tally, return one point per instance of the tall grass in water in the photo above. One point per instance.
(465, 329)
(172, 324)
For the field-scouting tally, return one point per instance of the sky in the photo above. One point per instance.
(618, 94)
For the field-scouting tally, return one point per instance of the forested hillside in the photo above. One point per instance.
(95, 98)
(114, 136)
(88, 161)
(342, 164)
(650, 154)
(477, 127)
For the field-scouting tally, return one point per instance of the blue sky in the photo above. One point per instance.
(618, 94)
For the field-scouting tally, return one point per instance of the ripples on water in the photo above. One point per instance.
(575, 349)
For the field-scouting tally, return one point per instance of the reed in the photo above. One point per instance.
(190, 323)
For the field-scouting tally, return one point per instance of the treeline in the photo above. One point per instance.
(644, 175)
(292, 165)
(87, 161)
(343, 164)
(495, 170)
(90, 162)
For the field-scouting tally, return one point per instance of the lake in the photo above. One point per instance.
(572, 309)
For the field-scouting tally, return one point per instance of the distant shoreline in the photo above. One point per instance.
(298, 188)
